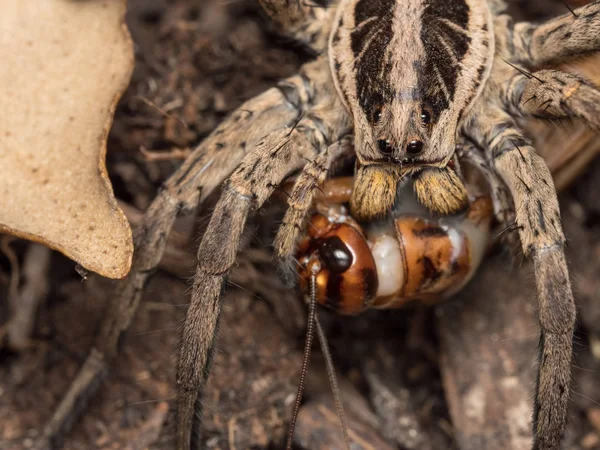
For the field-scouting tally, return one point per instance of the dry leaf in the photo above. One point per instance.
(65, 63)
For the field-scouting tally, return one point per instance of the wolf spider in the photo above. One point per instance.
(406, 79)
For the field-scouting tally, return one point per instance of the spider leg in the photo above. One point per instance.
(301, 200)
(249, 186)
(503, 209)
(552, 94)
(307, 21)
(569, 36)
(538, 217)
(212, 161)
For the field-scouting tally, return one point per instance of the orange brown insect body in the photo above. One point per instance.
(387, 263)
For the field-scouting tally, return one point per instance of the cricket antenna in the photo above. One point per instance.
(335, 388)
(310, 334)
(313, 322)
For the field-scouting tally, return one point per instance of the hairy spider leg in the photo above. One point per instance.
(300, 202)
(552, 94)
(261, 171)
(307, 21)
(575, 33)
(538, 218)
(211, 162)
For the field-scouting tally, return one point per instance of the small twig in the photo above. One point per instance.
(173, 153)
(15, 269)
(25, 304)
(161, 110)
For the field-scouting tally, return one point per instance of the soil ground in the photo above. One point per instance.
(457, 376)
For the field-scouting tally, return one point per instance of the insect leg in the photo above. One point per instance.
(249, 186)
(538, 217)
(552, 94)
(211, 162)
(574, 34)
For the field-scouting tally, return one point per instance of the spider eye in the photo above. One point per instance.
(376, 113)
(426, 116)
(384, 146)
(414, 147)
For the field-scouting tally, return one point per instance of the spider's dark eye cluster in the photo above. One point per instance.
(426, 116)
(414, 147)
(385, 147)
(375, 116)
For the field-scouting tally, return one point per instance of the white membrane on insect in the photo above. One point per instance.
(477, 237)
(388, 261)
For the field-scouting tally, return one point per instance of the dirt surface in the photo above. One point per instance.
(459, 376)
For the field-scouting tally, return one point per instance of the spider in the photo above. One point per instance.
(405, 80)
